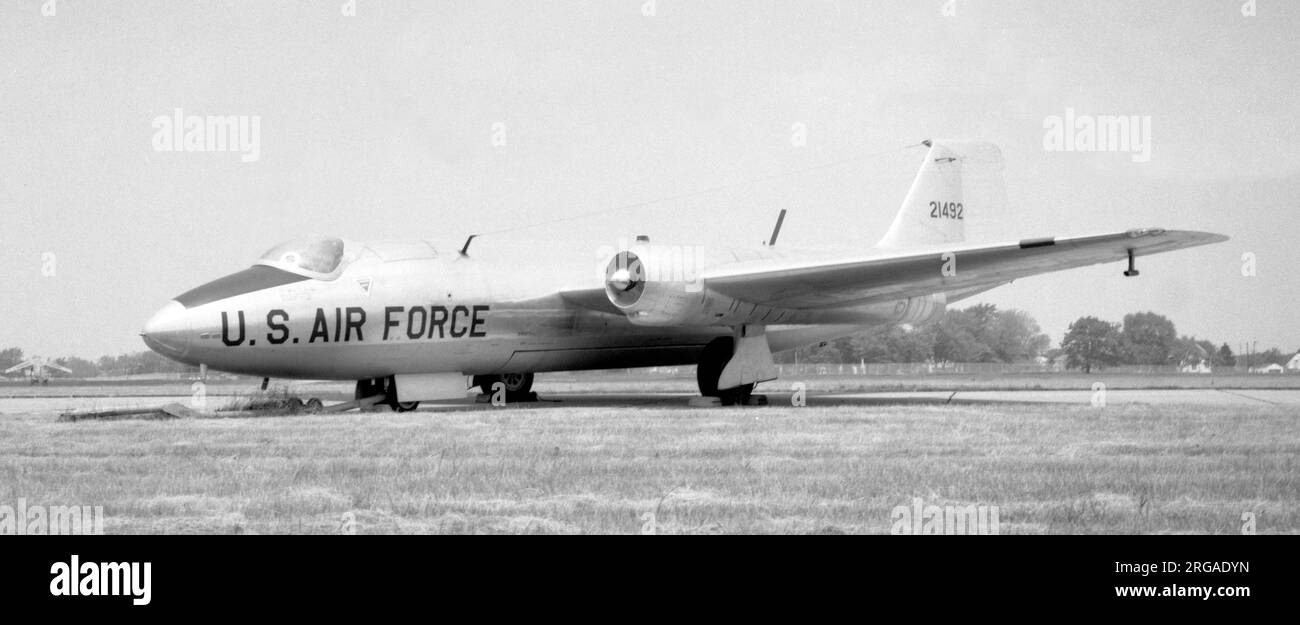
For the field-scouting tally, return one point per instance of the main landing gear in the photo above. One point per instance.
(712, 360)
(730, 366)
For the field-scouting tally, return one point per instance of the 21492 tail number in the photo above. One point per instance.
(946, 210)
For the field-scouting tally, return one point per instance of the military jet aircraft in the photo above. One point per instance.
(36, 368)
(415, 323)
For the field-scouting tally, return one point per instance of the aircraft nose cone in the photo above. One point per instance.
(168, 331)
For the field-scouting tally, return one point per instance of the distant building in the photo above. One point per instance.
(1272, 368)
(1196, 360)
(1294, 363)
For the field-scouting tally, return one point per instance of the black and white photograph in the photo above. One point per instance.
(339, 268)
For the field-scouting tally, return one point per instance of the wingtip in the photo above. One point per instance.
(1207, 238)
(1197, 237)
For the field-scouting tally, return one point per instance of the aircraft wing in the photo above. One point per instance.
(887, 275)
(59, 367)
(20, 366)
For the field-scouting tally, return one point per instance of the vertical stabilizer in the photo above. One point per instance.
(933, 213)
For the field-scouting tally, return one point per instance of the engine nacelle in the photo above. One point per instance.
(918, 310)
(661, 285)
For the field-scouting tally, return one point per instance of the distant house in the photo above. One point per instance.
(1195, 360)
(1272, 368)
(1294, 363)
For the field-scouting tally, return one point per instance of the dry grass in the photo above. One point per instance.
(555, 470)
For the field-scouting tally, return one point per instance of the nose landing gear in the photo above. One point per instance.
(386, 387)
(518, 386)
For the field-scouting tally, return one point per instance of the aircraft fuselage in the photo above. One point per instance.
(401, 308)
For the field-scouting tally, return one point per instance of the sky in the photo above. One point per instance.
(381, 120)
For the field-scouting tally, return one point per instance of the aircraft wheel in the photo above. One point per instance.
(295, 404)
(388, 387)
(517, 384)
(738, 396)
(315, 405)
(712, 360)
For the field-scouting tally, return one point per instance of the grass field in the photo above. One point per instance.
(551, 469)
(682, 380)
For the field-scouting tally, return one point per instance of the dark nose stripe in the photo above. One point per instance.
(254, 278)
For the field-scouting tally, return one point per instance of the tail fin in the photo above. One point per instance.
(933, 212)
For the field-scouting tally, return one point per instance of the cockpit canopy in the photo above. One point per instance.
(318, 257)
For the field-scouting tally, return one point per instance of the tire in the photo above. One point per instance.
(315, 405)
(738, 396)
(517, 382)
(518, 385)
(712, 361)
(388, 387)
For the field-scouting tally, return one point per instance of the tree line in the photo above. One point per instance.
(1147, 338)
(980, 333)
(984, 334)
(135, 363)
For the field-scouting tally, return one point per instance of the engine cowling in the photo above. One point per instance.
(918, 310)
(661, 286)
